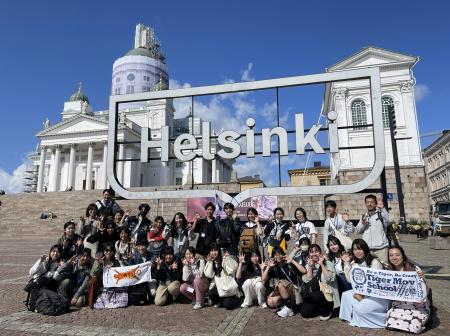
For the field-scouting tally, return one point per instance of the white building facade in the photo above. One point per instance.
(72, 154)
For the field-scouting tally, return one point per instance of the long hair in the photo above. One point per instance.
(407, 265)
(336, 241)
(248, 262)
(362, 245)
(302, 211)
(173, 224)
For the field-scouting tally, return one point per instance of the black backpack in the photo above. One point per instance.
(138, 295)
(48, 302)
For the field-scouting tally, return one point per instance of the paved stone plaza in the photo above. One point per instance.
(16, 257)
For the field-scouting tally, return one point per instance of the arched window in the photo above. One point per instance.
(386, 102)
(359, 115)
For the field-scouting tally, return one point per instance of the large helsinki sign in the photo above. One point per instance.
(186, 146)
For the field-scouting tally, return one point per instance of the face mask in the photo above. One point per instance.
(304, 248)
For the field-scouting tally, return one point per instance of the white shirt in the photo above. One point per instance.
(305, 229)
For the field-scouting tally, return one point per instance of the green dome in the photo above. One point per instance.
(155, 54)
(79, 96)
(160, 86)
(140, 52)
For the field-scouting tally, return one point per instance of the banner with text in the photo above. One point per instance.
(263, 204)
(127, 276)
(391, 285)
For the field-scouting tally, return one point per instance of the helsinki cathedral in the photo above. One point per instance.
(71, 154)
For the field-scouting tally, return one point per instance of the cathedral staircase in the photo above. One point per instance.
(20, 213)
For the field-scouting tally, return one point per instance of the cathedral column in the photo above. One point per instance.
(410, 121)
(89, 166)
(104, 177)
(120, 164)
(41, 171)
(70, 183)
(54, 170)
(343, 158)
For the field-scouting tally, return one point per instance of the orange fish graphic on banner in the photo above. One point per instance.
(131, 274)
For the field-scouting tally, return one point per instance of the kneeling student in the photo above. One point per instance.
(168, 275)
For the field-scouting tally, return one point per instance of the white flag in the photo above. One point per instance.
(127, 276)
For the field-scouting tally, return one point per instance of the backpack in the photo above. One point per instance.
(138, 295)
(247, 240)
(49, 302)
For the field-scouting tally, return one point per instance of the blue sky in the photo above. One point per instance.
(49, 46)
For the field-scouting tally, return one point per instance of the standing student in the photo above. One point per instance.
(157, 237)
(71, 243)
(124, 249)
(228, 230)
(360, 310)
(139, 225)
(303, 227)
(336, 222)
(249, 273)
(106, 234)
(206, 230)
(107, 203)
(320, 293)
(195, 285)
(373, 225)
(252, 233)
(180, 234)
(277, 232)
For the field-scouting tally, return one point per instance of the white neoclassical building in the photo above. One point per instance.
(72, 153)
(351, 100)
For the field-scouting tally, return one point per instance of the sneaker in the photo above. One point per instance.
(325, 318)
(245, 305)
(264, 305)
(197, 306)
(217, 305)
(285, 312)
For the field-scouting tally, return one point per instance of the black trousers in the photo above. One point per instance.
(316, 305)
(228, 303)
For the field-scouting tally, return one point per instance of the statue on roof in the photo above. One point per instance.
(46, 123)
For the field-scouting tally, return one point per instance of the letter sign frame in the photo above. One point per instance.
(372, 74)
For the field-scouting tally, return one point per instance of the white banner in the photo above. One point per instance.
(127, 276)
(391, 285)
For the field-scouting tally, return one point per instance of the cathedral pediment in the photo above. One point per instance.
(372, 56)
(76, 124)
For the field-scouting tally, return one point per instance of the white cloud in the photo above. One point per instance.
(421, 91)
(14, 183)
(246, 77)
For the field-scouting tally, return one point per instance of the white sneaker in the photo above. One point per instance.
(325, 318)
(264, 305)
(197, 306)
(245, 305)
(285, 312)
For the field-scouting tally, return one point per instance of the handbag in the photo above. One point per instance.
(115, 297)
(311, 286)
(226, 286)
(326, 290)
(346, 241)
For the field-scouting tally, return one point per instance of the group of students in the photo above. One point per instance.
(236, 264)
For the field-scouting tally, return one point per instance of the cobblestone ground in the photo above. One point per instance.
(16, 257)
